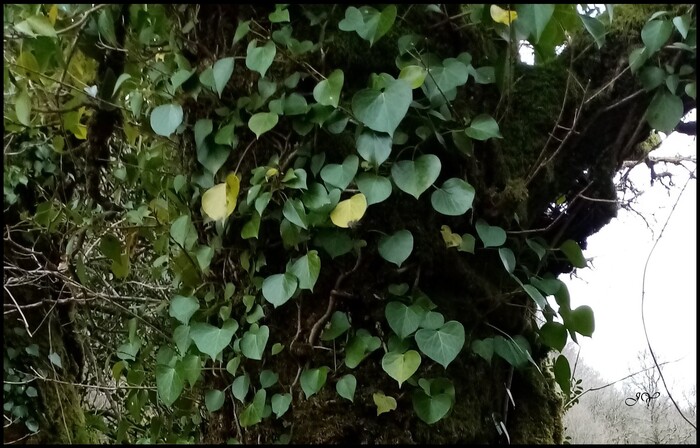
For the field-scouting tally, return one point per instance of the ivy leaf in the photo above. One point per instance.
(468, 243)
(655, 34)
(359, 347)
(416, 176)
(339, 324)
(340, 176)
(223, 69)
(240, 387)
(368, 22)
(262, 122)
(183, 232)
(414, 75)
(383, 109)
(294, 211)
(254, 341)
(682, 23)
(383, 402)
(170, 382)
(454, 198)
(312, 380)
(55, 360)
(553, 334)
(483, 127)
(535, 295)
(483, 348)
(327, 92)
(491, 236)
(349, 211)
(212, 340)
(595, 28)
(214, 400)
(580, 320)
(219, 201)
(534, 18)
(403, 319)
(105, 25)
(166, 119)
(573, 253)
(441, 345)
(536, 247)
(334, 242)
(346, 387)
(504, 16)
(280, 404)
(507, 258)
(562, 374)
(401, 366)
(664, 111)
(279, 288)
(182, 308)
(375, 188)
(259, 59)
(306, 269)
(515, 352)
(431, 409)
(23, 107)
(374, 147)
(253, 414)
(396, 248)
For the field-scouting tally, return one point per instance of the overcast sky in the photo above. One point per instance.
(613, 285)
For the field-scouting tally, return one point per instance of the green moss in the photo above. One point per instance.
(538, 414)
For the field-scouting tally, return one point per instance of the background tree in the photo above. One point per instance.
(313, 223)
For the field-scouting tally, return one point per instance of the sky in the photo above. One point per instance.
(612, 286)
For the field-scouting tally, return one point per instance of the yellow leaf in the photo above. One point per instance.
(383, 403)
(349, 211)
(451, 239)
(80, 132)
(219, 201)
(53, 13)
(272, 172)
(503, 16)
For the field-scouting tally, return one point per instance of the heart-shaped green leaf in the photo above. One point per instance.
(340, 176)
(483, 127)
(212, 156)
(191, 368)
(334, 242)
(374, 147)
(312, 380)
(327, 92)
(240, 387)
(279, 288)
(375, 188)
(562, 374)
(210, 339)
(182, 339)
(254, 341)
(441, 345)
(534, 19)
(573, 252)
(535, 295)
(223, 69)
(346, 387)
(268, 378)
(368, 22)
(515, 351)
(655, 34)
(359, 347)
(23, 107)
(454, 198)
(306, 269)
(262, 122)
(414, 75)
(401, 366)
(554, 335)
(483, 348)
(280, 404)
(170, 382)
(664, 111)
(182, 308)
(166, 119)
(214, 400)
(431, 409)
(338, 325)
(259, 59)
(383, 110)
(580, 320)
(432, 321)
(403, 319)
(507, 258)
(416, 176)
(492, 236)
(396, 248)
(294, 211)
(253, 414)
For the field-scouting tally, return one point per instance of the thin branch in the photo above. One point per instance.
(644, 276)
